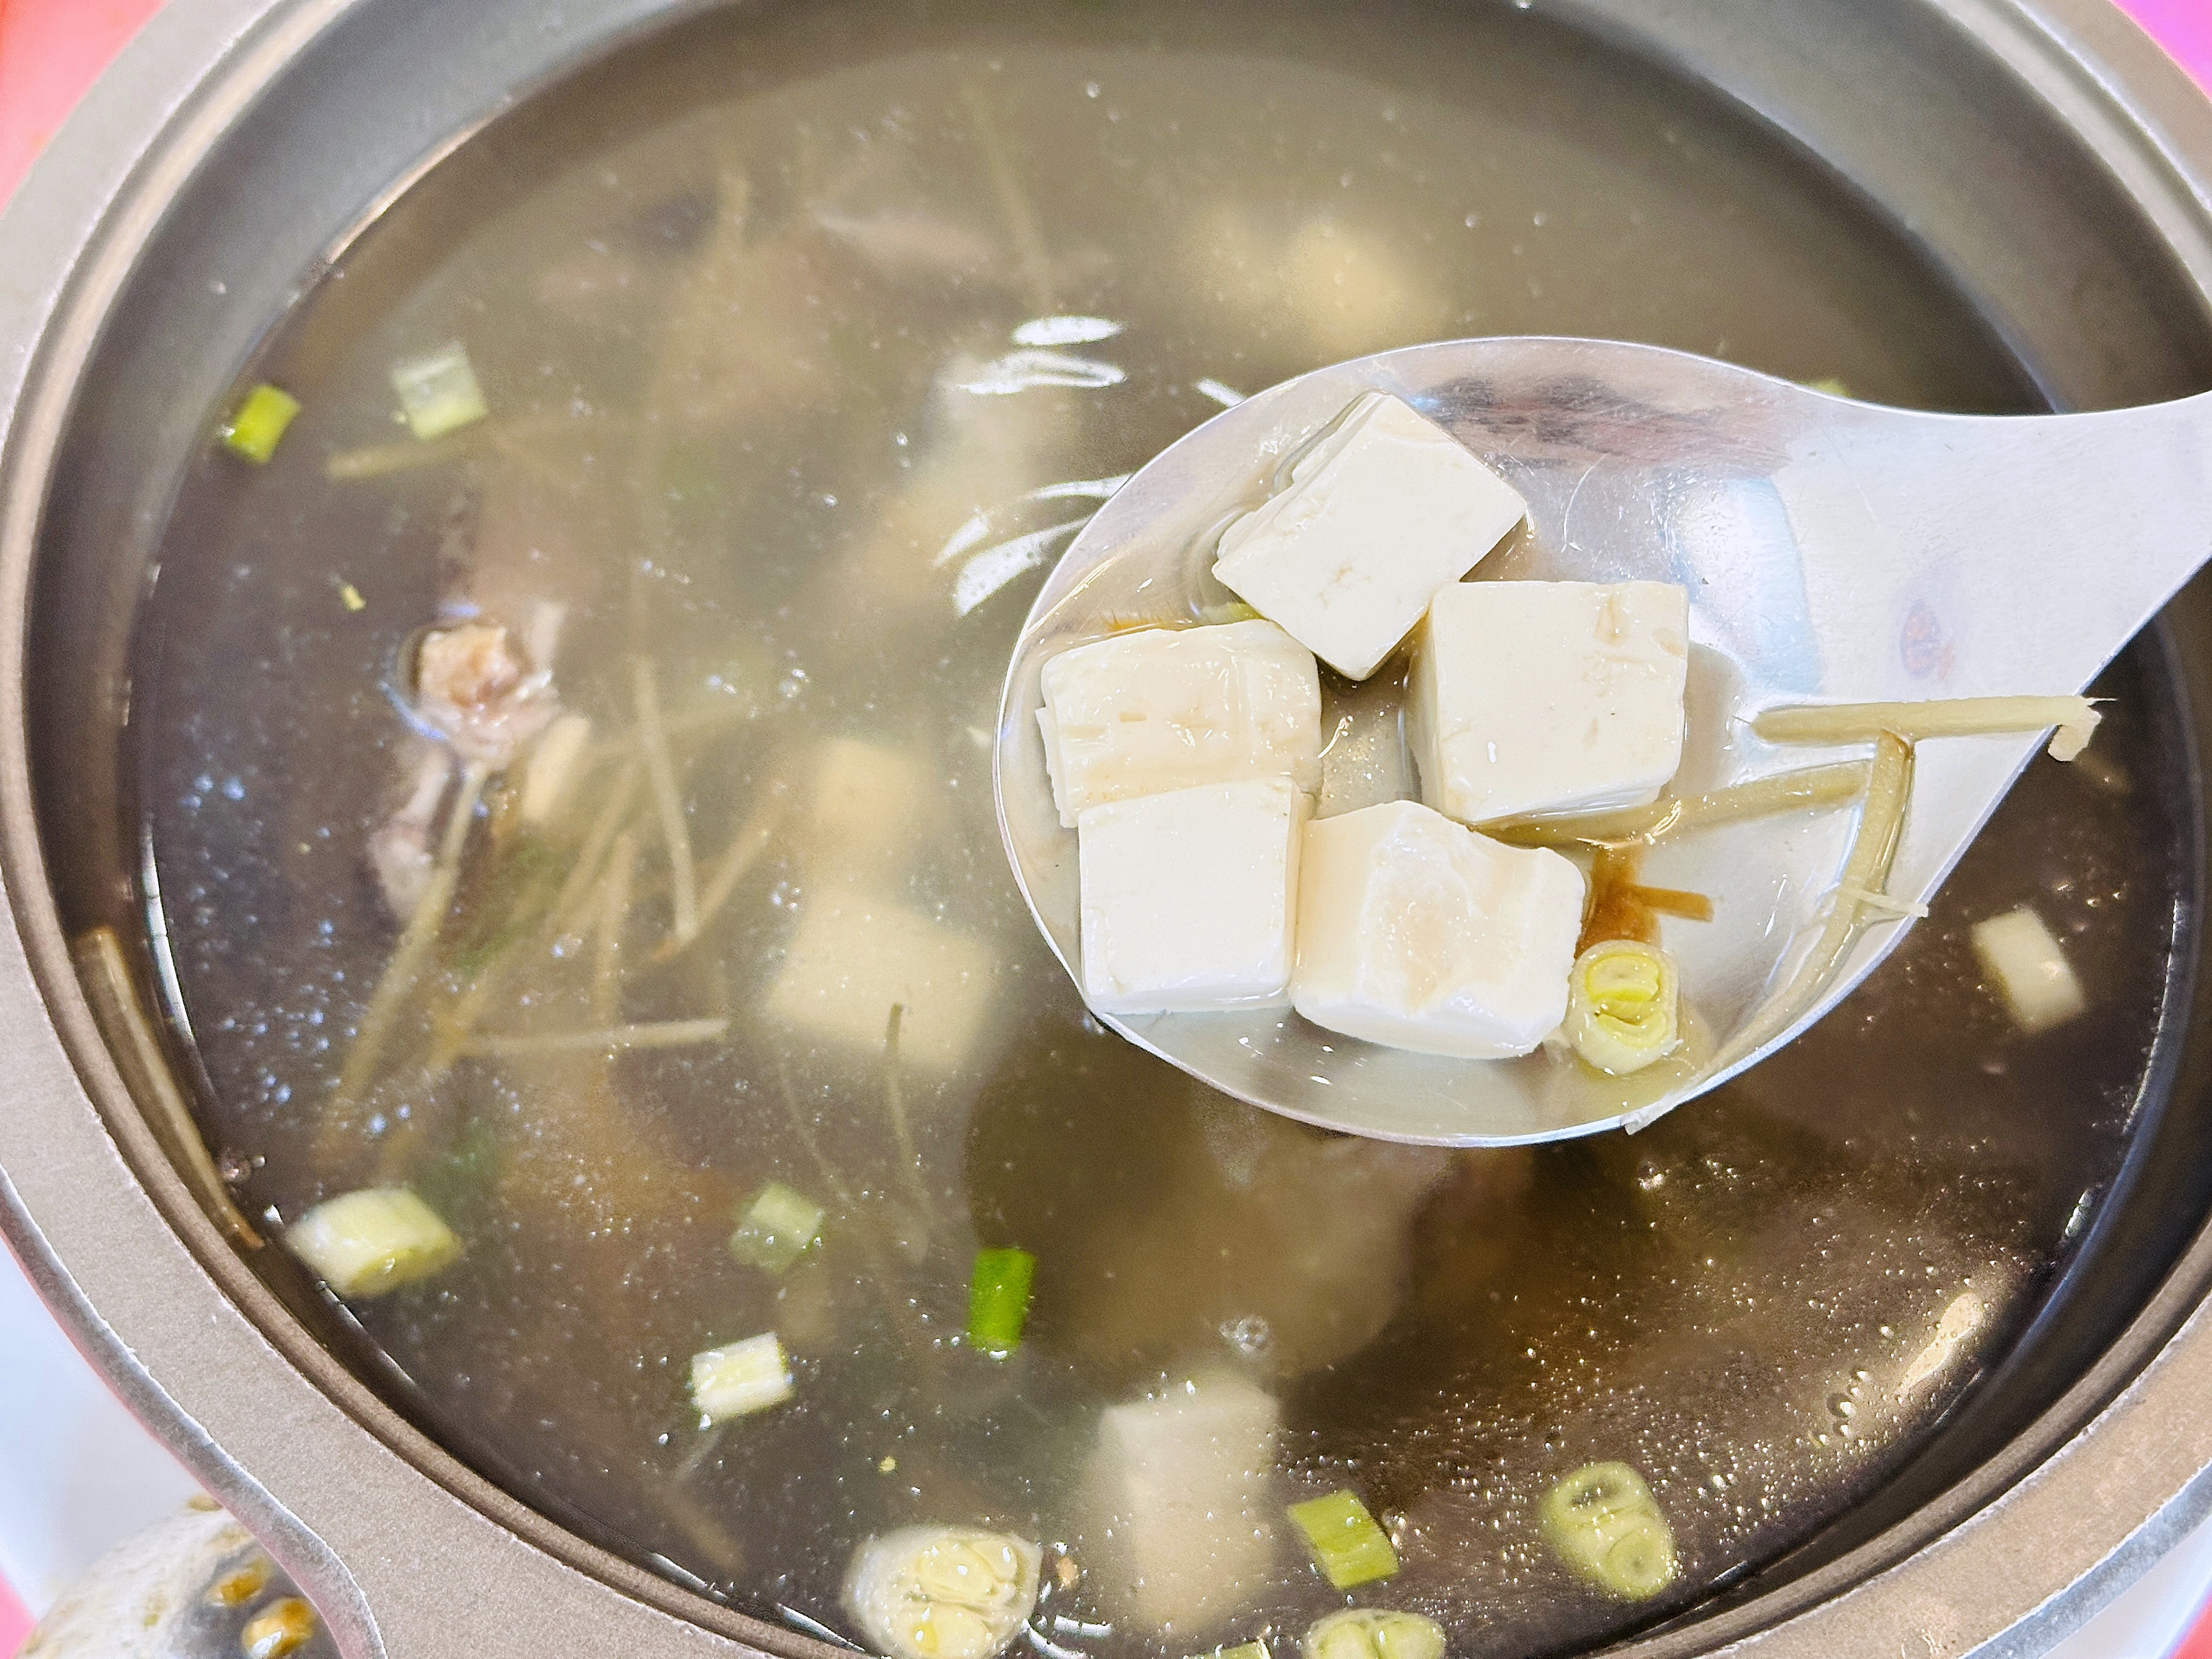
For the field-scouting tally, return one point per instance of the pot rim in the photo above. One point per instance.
(352, 1500)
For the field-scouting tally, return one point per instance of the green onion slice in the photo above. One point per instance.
(1347, 1544)
(1255, 1649)
(934, 1592)
(255, 431)
(741, 1379)
(1374, 1633)
(998, 1299)
(1624, 1001)
(1606, 1527)
(777, 1228)
(367, 1243)
(438, 392)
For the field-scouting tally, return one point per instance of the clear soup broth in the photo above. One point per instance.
(808, 337)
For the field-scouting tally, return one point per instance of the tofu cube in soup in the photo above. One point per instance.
(1383, 512)
(1182, 1486)
(1188, 898)
(1416, 933)
(1163, 708)
(1548, 696)
(871, 806)
(2020, 952)
(855, 957)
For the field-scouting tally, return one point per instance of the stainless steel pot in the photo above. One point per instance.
(2042, 152)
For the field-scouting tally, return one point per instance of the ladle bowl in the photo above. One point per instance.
(1833, 551)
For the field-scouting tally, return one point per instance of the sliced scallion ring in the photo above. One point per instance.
(1606, 1527)
(1624, 1002)
(1373, 1633)
(931, 1592)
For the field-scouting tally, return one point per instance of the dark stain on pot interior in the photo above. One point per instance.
(766, 419)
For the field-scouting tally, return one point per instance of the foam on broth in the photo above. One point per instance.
(760, 311)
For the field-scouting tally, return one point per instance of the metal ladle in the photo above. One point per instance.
(1833, 552)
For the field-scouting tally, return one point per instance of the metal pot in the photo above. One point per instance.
(2044, 154)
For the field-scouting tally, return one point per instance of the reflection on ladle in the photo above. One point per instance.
(1833, 552)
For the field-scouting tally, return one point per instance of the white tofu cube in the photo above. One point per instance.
(1182, 1486)
(855, 957)
(1188, 898)
(871, 807)
(1549, 696)
(1416, 933)
(1165, 708)
(2021, 953)
(1379, 515)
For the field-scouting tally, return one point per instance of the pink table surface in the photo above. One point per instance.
(51, 49)
(2184, 26)
(14, 1621)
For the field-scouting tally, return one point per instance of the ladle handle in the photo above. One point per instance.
(2039, 545)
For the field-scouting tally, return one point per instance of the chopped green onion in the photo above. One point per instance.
(255, 431)
(741, 1379)
(1253, 1649)
(1347, 1544)
(1606, 1527)
(998, 1299)
(1374, 1633)
(438, 393)
(367, 1243)
(1624, 1005)
(778, 1227)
